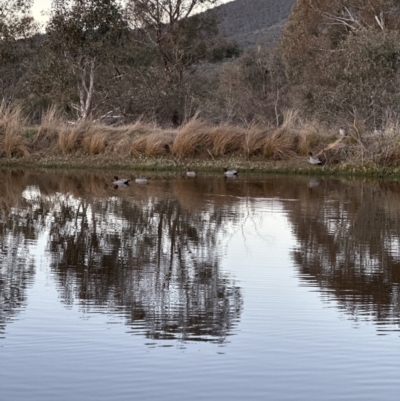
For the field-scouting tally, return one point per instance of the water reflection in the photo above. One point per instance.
(152, 254)
(17, 231)
(157, 261)
(348, 245)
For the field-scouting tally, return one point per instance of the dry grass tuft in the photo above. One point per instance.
(149, 139)
(115, 140)
(94, 143)
(140, 128)
(12, 124)
(193, 138)
(67, 140)
(308, 137)
(283, 142)
(95, 138)
(226, 139)
(71, 136)
(48, 132)
(291, 119)
(253, 143)
(279, 143)
(138, 145)
(51, 121)
(160, 143)
(383, 148)
(293, 137)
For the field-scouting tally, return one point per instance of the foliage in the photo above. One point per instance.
(15, 24)
(253, 87)
(182, 37)
(85, 34)
(341, 58)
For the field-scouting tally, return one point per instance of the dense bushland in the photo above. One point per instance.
(138, 78)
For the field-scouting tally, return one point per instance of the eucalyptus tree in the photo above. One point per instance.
(181, 31)
(85, 34)
(342, 56)
(16, 24)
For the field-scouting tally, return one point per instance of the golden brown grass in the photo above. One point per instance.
(226, 139)
(48, 131)
(85, 136)
(193, 138)
(309, 137)
(12, 124)
(383, 148)
(150, 140)
(95, 137)
(67, 140)
(94, 142)
(159, 143)
(199, 139)
(279, 143)
(253, 141)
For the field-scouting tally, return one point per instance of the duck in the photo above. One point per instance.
(191, 173)
(141, 180)
(313, 160)
(230, 173)
(120, 181)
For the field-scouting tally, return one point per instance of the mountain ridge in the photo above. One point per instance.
(250, 22)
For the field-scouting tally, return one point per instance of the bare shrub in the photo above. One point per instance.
(343, 61)
(252, 87)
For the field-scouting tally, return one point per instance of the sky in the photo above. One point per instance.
(40, 6)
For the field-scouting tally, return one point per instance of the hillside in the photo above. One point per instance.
(254, 21)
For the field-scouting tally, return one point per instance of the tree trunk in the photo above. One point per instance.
(86, 87)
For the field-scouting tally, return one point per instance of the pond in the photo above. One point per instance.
(261, 287)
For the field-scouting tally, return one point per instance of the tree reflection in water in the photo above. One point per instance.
(152, 253)
(140, 254)
(17, 231)
(157, 261)
(348, 244)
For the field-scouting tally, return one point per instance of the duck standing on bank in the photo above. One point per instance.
(313, 160)
(230, 173)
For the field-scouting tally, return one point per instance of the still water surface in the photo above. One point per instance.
(257, 288)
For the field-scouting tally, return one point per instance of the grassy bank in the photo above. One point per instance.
(197, 144)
